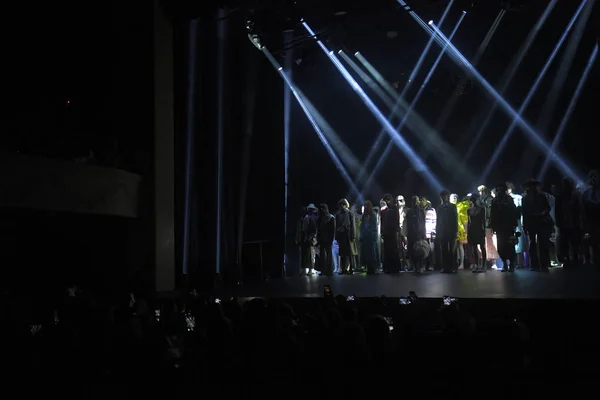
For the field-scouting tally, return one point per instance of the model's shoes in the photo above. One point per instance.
(310, 273)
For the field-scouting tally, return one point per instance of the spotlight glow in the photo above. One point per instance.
(431, 22)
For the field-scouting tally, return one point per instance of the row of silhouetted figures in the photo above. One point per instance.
(491, 229)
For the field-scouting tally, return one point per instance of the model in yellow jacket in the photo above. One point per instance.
(463, 219)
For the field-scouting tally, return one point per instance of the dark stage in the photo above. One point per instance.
(522, 284)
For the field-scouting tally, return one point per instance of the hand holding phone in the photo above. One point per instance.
(390, 322)
(447, 300)
(190, 322)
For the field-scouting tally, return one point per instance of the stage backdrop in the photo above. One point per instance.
(54, 185)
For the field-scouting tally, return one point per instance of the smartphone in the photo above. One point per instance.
(157, 314)
(448, 300)
(390, 323)
(350, 298)
(327, 292)
(34, 329)
(190, 321)
(404, 301)
(217, 300)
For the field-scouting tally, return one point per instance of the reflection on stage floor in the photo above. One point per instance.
(524, 284)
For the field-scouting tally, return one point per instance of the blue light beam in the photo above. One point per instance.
(565, 120)
(412, 106)
(533, 136)
(400, 98)
(415, 160)
(510, 73)
(299, 97)
(511, 129)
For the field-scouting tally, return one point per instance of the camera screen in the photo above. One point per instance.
(405, 301)
(390, 323)
(190, 322)
(448, 300)
(351, 298)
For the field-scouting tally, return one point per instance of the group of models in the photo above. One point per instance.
(479, 231)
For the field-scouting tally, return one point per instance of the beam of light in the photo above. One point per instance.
(344, 152)
(418, 127)
(511, 129)
(533, 136)
(391, 92)
(346, 155)
(509, 74)
(220, 134)
(565, 120)
(398, 139)
(300, 98)
(547, 114)
(564, 68)
(399, 99)
(417, 97)
(377, 89)
(191, 106)
(451, 103)
(287, 104)
(250, 96)
(415, 71)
